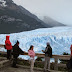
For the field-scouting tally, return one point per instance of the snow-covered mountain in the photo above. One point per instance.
(3, 3)
(51, 21)
(15, 18)
(60, 39)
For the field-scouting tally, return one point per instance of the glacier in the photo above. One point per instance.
(60, 39)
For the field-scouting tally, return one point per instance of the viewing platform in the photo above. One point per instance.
(5, 65)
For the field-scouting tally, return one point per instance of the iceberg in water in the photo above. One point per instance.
(60, 39)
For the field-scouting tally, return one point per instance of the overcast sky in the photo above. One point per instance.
(60, 10)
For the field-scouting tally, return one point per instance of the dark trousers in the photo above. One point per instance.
(14, 60)
(71, 62)
(8, 54)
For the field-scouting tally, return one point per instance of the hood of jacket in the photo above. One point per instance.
(7, 37)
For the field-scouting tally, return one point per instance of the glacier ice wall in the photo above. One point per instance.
(60, 39)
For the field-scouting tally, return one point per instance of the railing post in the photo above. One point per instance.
(56, 64)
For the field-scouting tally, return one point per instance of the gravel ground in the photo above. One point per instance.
(10, 69)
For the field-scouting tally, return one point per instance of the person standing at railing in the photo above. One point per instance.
(31, 53)
(71, 50)
(69, 63)
(48, 54)
(71, 56)
(8, 46)
(16, 52)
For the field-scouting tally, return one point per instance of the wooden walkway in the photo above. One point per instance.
(21, 69)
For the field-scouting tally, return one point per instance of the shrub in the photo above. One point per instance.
(64, 61)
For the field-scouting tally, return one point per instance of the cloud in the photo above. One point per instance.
(60, 10)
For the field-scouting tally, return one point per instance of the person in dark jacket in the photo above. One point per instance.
(16, 52)
(48, 54)
(8, 46)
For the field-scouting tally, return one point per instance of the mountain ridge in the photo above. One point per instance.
(15, 18)
(51, 21)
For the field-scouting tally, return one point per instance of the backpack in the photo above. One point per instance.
(49, 51)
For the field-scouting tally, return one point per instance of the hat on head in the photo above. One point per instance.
(7, 37)
(48, 43)
(17, 42)
(71, 45)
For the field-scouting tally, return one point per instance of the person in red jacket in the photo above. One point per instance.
(8, 46)
(69, 63)
(71, 56)
(71, 50)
